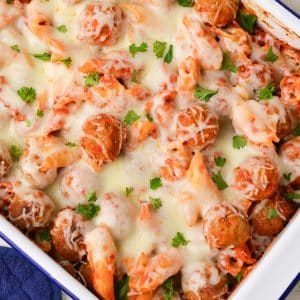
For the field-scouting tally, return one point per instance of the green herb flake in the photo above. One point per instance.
(27, 94)
(270, 56)
(296, 131)
(39, 113)
(291, 196)
(220, 161)
(67, 61)
(287, 176)
(266, 92)
(155, 183)
(219, 181)
(186, 3)
(134, 49)
(91, 196)
(9, 1)
(239, 277)
(227, 63)
(272, 213)
(128, 190)
(42, 56)
(155, 203)
(15, 48)
(62, 28)
(44, 235)
(239, 142)
(70, 144)
(247, 22)
(15, 152)
(204, 94)
(169, 56)
(89, 211)
(131, 117)
(28, 123)
(134, 76)
(179, 240)
(121, 288)
(168, 287)
(159, 48)
(92, 79)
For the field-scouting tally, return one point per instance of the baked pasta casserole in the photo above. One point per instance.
(151, 147)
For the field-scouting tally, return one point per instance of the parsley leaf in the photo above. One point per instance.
(134, 49)
(9, 1)
(92, 79)
(219, 181)
(272, 213)
(15, 48)
(15, 152)
(247, 22)
(204, 94)
(62, 28)
(291, 196)
(239, 142)
(270, 56)
(89, 211)
(28, 123)
(169, 56)
(91, 196)
(220, 161)
(42, 56)
(27, 94)
(296, 130)
(134, 76)
(128, 190)
(179, 240)
(227, 64)
(39, 113)
(44, 235)
(287, 176)
(70, 144)
(186, 3)
(266, 92)
(155, 203)
(168, 287)
(121, 288)
(149, 117)
(67, 61)
(155, 183)
(131, 117)
(159, 48)
(239, 277)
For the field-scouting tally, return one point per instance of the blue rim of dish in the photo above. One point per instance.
(288, 8)
(38, 266)
(290, 287)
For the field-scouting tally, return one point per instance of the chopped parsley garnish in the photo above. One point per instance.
(91, 196)
(62, 28)
(168, 287)
(67, 61)
(239, 277)
(287, 176)
(134, 76)
(296, 130)
(247, 22)
(15, 152)
(186, 3)
(28, 123)
(128, 190)
(70, 144)
(239, 142)
(204, 94)
(42, 56)
(15, 48)
(155, 203)
(39, 113)
(291, 196)
(266, 92)
(220, 161)
(272, 213)
(131, 117)
(9, 1)
(149, 117)
(270, 56)
(159, 48)
(219, 181)
(89, 211)
(227, 64)
(134, 49)
(155, 183)
(44, 235)
(27, 94)
(92, 79)
(169, 56)
(179, 240)
(121, 288)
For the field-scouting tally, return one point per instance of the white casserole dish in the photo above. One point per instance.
(277, 268)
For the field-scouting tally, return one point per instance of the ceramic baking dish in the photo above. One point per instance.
(276, 269)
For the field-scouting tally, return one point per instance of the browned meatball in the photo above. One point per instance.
(5, 161)
(270, 215)
(225, 226)
(197, 127)
(6, 194)
(217, 12)
(67, 235)
(30, 209)
(256, 178)
(103, 138)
